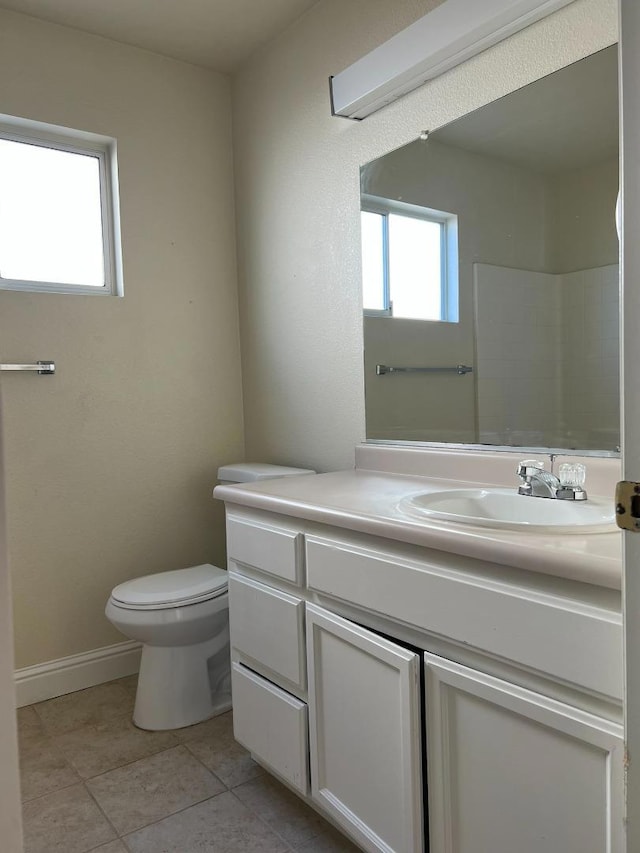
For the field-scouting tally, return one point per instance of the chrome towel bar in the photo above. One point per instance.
(460, 369)
(44, 368)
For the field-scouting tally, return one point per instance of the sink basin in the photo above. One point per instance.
(507, 510)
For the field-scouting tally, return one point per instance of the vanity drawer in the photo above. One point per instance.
(272, 725)
(268, 626)
(579, 644)
(271, 550)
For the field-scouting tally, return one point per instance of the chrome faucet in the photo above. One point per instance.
(535, 482)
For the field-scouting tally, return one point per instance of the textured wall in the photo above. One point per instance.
(581, 226)
(110, 463)
(591, 356)
(298, 201)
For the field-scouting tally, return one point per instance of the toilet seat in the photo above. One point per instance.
(171, 589)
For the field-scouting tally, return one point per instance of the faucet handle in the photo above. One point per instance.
(528, 467)
(572, 474)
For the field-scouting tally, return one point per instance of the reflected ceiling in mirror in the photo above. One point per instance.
(524, 274)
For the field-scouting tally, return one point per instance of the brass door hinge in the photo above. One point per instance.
(628, 506)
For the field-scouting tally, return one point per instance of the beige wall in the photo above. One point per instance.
(298, 201)
(110, 463)
(591, 356)
(581, 226)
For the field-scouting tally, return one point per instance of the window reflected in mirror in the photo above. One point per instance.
(406, 271)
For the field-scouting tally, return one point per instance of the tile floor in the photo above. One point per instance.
(91, 781)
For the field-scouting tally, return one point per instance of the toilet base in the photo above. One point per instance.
(174, 686)
(221, 704)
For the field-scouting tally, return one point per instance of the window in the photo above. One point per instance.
(58, 210)
(409, 261)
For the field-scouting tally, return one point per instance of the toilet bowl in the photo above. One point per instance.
(181, 618)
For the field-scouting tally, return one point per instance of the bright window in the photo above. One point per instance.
(58, 211)
(409, 261)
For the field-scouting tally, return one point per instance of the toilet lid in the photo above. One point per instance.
(176, 588)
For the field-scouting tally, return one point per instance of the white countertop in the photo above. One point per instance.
(367, 501)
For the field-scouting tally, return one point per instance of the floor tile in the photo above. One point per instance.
(129, 682)
(85, 707)
(221, 726)
(92, 750)
(66, 821)
(219, 825)
(153, 788)
(111, 847)
(221, 753)
(43, 768)
(282, 810)
(329, 841)
(29, 724)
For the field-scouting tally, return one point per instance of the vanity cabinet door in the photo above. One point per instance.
(511, 770)
(365, 739)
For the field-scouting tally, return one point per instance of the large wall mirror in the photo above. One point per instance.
(490, 243)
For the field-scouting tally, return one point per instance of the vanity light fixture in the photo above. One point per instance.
(453, 32)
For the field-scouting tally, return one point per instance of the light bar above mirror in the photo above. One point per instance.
(450, 34)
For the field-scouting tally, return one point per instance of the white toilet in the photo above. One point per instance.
(182, 619)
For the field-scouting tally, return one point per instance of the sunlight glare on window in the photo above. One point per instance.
(50, 215)
(372, 261)
(415, 267)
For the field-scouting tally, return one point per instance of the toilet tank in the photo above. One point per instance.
(251, 472)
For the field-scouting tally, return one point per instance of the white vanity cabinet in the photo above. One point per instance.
(268, 672)
(511, 770)
(337, 693)
(422, 700)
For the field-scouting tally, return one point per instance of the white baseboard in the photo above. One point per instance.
(57, 677)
